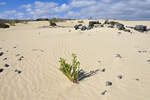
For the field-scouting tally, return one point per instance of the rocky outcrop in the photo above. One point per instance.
(140, 28)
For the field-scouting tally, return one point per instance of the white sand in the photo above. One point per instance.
(41, 47)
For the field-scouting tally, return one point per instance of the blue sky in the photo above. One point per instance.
(99, 9)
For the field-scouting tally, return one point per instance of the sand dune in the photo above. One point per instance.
(41, 47)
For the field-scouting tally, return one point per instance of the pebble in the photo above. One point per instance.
(18, 71)
(148, 60)
(104, 92)
(118, 55)
(103, 70)
(1, 53)
(21, 58)
(108, 83)
(120, 76)
(1, 70)
(6, 65)
(5, 59)
(137, 79)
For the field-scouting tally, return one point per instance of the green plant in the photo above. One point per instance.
(70, 70)
(52, 22)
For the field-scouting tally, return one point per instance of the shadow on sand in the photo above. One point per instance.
(83, 74)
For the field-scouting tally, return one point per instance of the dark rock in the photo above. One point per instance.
(108, 83)
(102, 25)
(89, 27)
(83, 28)
(137, 79)
(77, 26)
(148, 60)
(18, 71)
(104, 92)
(20, 58)
(91, 23)
(53, 24)
(120, 76)
(6, 65)
(1, 70)
(103, 70)
(118, 55)
(5, 59)
(140, 28)
(120, 27)
(3, 25)
(1, 53)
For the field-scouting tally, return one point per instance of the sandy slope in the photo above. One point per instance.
(41, 48)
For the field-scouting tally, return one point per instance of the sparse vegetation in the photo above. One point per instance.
(113, 23)
(12, 23)
(42, 19)
(80, 21)
(3, 25)
(53, 21)
(70, 70)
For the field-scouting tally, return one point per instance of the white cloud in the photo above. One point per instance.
(2, 3)
(121, 9)
(12, 14)
(82, 3)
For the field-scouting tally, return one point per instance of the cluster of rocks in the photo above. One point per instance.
(8, 65)
(110, 24)
(91, 25)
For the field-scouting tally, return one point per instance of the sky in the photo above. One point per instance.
(75, 9)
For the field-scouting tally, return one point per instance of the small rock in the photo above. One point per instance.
(148, 60)
(69, 31)
(120, 27)
(21, 58)
(108, 83)
(18, 71)
(140, 28)
(137, 79)
(4, 59)
(6, 65)
(77, 26)
(1, 53)
(14, 47)
(120, 76)
(103, 70)
(83, 28)
(1, 70)
(118, 55)
(104, 92)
